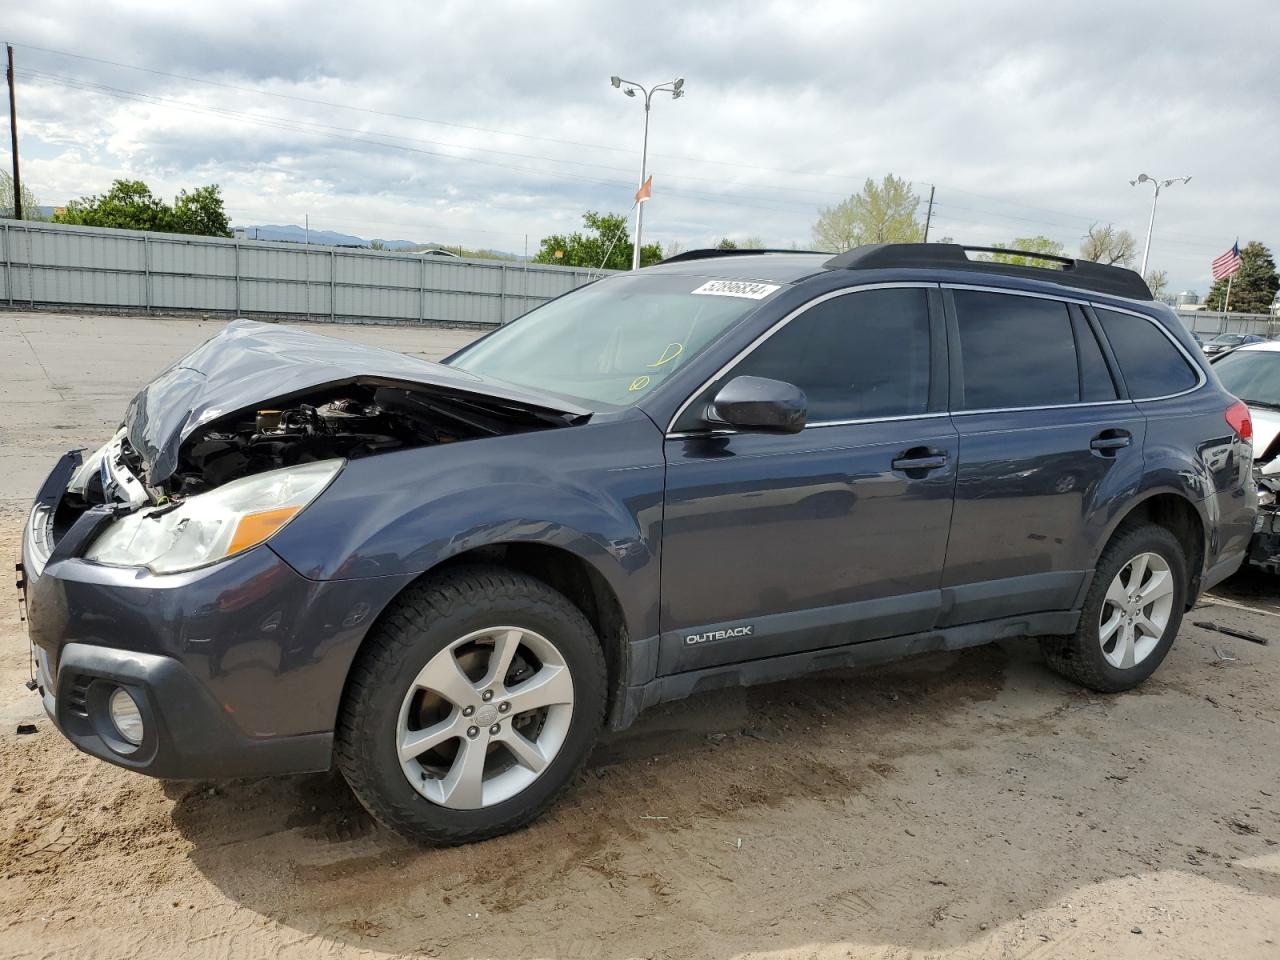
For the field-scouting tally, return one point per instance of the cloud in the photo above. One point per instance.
(1029, 119)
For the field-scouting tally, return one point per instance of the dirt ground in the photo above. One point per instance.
(966, 805)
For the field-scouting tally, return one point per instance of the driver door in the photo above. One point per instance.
(782, 543)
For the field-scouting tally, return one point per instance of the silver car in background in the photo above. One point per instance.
(1252, 373)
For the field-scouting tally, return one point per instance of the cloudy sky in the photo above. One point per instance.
(481, 124)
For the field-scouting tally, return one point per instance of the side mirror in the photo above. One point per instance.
(758, 403)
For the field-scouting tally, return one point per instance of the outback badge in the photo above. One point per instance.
(710, 635)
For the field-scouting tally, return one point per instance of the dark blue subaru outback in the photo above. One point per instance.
(446, 579)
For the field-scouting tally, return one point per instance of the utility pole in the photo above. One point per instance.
(929, 216)
(13, 132)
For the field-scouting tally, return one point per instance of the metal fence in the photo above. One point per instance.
(55, 265)
(1207, 323)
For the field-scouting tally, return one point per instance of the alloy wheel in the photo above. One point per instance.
(1136, 610)
(485, 717)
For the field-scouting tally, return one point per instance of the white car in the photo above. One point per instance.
(1252, 373)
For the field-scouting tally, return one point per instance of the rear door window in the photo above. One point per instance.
(1015, 351)
(1149, 362)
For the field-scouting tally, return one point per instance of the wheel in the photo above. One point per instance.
(1131, 613)
(471, 707)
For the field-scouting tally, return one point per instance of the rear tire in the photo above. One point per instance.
(471, 707)
(1131, 614)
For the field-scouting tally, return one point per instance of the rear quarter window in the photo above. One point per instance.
(1152, 366)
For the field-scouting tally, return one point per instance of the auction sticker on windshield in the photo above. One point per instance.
(737, 288)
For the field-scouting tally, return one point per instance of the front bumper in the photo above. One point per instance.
(187, 735)
(237, 668)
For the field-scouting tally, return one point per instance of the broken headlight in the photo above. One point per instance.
(1268, 479)
(212, 526)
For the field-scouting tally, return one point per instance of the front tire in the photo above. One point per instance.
(471, 707)
(1131, 614)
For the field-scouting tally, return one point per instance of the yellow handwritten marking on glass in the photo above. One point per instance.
(673, 350)
(639, 383)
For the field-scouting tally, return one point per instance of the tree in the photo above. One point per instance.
(130, 205)
(1158, 282)
(881, 213)
(30, 205)
(608, 236)
(1033, 245)
(1105, 244)
(750, 243)
(200, 212)
(1254, 285)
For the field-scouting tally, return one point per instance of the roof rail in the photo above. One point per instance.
(1084, 274)
(709, 253)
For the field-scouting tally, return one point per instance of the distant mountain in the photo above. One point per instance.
(293, 233)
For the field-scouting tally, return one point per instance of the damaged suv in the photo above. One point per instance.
(447, 579)
(1253, 374)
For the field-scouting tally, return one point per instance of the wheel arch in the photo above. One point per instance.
(1178, 514)
(565, 571)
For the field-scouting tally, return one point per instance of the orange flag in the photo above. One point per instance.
(646, 190)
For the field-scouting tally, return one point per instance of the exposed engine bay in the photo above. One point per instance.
(350, 421)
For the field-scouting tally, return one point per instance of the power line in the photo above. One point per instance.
(293, 124)
(329, 130)
(419, 119)
(276, 119)
(949, 218)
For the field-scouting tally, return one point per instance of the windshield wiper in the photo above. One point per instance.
(1269, 404)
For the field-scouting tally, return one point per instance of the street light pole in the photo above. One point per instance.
(1158, 184)
(676, 89)
(644, 163)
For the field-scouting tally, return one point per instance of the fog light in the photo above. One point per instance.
(125, 716)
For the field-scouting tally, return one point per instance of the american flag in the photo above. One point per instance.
(1228, 263)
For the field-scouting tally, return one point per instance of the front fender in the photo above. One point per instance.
(594, 490)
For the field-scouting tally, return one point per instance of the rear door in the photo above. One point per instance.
(775, 544)
(1045, 441)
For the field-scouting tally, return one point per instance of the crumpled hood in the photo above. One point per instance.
(250, 363)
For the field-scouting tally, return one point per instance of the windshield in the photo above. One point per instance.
(1252, 375)
(611, 343)
(1228, 338)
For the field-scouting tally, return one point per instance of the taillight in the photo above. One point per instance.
(1238, 419)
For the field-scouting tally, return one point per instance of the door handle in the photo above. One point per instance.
(1109, 441)
(921, 459)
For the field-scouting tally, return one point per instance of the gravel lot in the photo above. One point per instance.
(965, 805)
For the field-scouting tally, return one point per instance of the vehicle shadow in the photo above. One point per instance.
(917, 804)
(1251, 586)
